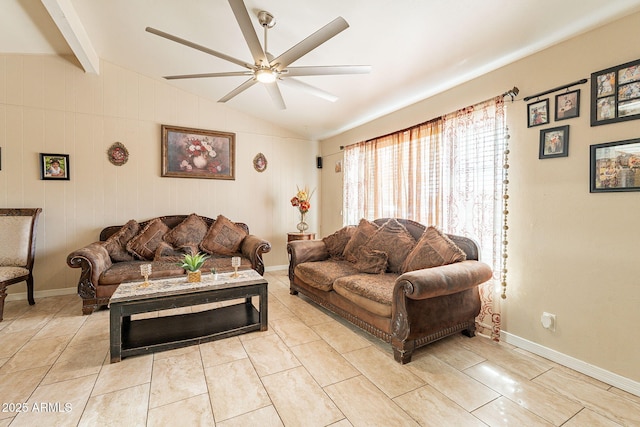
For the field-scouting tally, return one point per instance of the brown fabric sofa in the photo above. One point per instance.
(162, 242)
(397, 279)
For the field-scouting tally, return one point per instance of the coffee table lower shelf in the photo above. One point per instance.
(131, 337)
(169, 332)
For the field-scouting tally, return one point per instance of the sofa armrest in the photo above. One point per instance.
(430, 283)
(305, 251)
(443, 280)
(252, 248)
(93, 259)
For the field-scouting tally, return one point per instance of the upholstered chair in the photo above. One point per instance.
(17, 250)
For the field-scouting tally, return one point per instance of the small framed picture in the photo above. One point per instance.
(554, 142)
(54, 166)
(567, 105)
(538, 113)
(615, 166)
(260, 162)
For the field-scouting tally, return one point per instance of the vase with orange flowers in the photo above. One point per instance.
(302, 201)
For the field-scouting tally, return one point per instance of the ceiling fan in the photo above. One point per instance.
(265, 68)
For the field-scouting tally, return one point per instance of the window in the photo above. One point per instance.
(447, 172)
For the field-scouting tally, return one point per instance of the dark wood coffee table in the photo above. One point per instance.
(148, 335)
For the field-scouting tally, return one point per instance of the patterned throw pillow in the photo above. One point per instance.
(145, 243)
(337, 241)
(116, 244)
(432, 250)
(166, 252)
(393, 239)
(191, 231)
(371, 261)
(363, 232)
(224, 237)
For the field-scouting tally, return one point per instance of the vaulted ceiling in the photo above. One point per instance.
(416, 48)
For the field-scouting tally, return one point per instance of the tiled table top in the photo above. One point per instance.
(131, 291)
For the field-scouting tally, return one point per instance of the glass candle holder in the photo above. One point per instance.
(145, 271)
(235, 263)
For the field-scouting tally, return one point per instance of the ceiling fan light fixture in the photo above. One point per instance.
(265, 75)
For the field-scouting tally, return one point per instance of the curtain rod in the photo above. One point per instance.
(511, 92)
(579, 82)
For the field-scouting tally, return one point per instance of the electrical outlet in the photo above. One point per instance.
(548, 321)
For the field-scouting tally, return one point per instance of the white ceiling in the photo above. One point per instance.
(416, 48)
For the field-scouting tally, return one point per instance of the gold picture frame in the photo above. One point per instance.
(198, 153)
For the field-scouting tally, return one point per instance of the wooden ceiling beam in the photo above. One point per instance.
(66, 19)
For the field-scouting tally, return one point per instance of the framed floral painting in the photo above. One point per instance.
(197, 153)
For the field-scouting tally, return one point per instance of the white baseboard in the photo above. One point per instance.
(615, 380)
(277, 267)
(42, 294)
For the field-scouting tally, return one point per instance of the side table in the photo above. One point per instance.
(300, 236)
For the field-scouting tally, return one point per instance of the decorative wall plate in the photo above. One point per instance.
(260, 162)
(118, 154)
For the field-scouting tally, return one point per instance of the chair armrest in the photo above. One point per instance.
(94, 260)
(253, 247)
(305, 251)
(444, 280)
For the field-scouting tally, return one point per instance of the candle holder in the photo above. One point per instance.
(145, 271)
(235, 263)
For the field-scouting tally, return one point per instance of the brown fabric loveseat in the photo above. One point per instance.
(401, 281)
(162, 242)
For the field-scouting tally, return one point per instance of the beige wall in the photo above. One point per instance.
(571, 253)
(48, 105)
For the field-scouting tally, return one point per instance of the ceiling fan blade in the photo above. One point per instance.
(199, 47)
(199, 76)
(249, 33)
(244, 86)
(307, 45)
(327, 71)
(309, 89)
(276, 96)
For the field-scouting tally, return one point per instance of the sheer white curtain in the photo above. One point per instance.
(447, 172)
(474, 145)
(385, 177)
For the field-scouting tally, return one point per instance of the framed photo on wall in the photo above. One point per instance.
(567, 105)
(54, 166)
(198, 153)
(615, 166)
(554, 142)
(615, 94)
(538, 113)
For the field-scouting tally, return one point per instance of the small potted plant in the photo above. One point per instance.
(192, 264)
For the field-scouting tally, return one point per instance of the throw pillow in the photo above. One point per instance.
(116, 244)
(337, 241)
(166, 252)
(362, 233)
(394, 239)
(371, 261)
(145, 243)
(191, 231)
(223, 237)
(432, 250)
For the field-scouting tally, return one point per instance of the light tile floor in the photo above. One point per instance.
(308, 369)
